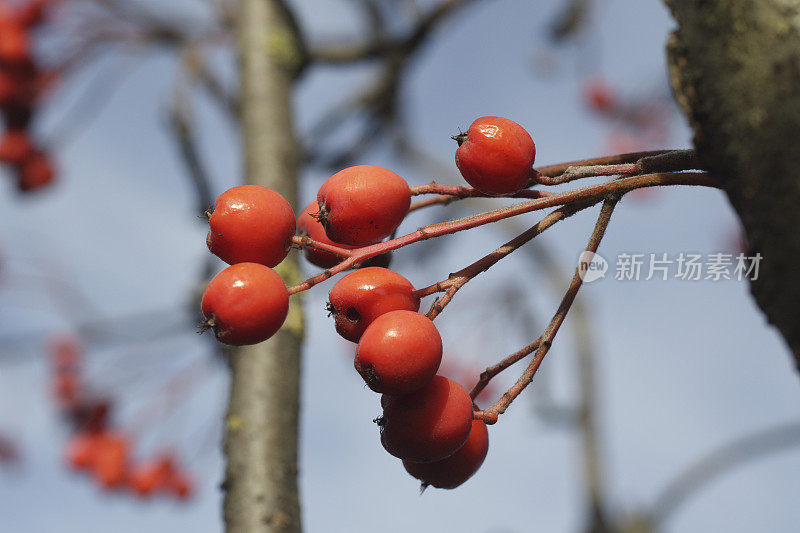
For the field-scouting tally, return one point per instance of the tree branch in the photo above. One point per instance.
(263, 411)
(734, 70)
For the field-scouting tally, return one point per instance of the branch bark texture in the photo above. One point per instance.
(261, 444)
(735, 71)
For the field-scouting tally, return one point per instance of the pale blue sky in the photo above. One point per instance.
(683, 366)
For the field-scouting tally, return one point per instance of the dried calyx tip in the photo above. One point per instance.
(460, 138)
(205, 325)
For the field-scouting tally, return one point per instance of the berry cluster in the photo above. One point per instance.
(22, 83)
(95, 447)
(427, 418)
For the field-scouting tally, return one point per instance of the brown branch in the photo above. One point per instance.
(187, 148)
(624, 164)
(586, 194)
(492, 371)
(458, 279)
(380, 47)
(491, 414)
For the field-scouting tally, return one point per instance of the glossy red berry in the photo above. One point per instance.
(429, 424)
(399, 353)
(365, 294)
(308, 225)
(363, 204)
(495, 156)
(251, 224)
(245, 304)
(453, 471)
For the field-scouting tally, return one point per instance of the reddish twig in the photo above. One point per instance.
(623, 164)
(490, 372)
(490, 415)
(458, 279)
(308, 242)
(583, 195)
(551, 171)
(469, 192)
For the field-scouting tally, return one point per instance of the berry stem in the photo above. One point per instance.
(552, 171)
(623, 164)
(490, 372)
(468, 192)
(491, 414)
(588, 194)
(458, 279)
(308, 242)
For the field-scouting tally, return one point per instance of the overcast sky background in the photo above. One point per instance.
(684, 367)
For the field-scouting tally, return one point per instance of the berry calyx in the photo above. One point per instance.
(245, 304)
(361, 296)
(399, 353)
(455, 470)
(495, 156)
(251, 224)
(363, 204)
(429, 424)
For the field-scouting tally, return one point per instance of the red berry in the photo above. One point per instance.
(15, 147)
(363, 204)
(453, 471)
(362, 296)
(599, 95)
(429, 424)
(110, 465)
(36, 172)
(82, 450)
(151, 476)
(251, 224)
(495, 156)
(308, 225)
(15, 46)
(399, 352)
(181, 486)
(245, 304)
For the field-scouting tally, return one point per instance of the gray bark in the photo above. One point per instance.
(261, 444)
(735, 71)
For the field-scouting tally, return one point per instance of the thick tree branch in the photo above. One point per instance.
(735, 71)
(263, 412)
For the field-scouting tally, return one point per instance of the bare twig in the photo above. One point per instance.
(458, 279)
(491, 414)
(587, 194)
